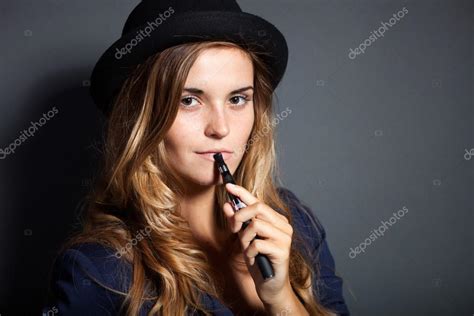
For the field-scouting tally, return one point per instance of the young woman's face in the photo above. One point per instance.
(216, 113)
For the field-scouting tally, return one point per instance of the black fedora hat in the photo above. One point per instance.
(155, 25)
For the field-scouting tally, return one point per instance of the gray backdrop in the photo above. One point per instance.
(387, 130)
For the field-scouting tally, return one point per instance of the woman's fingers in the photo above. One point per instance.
(264, 230)
(256, 209)
(263, 246)
(263, 212)
(244, 195)
(274, 234)
(229, 214)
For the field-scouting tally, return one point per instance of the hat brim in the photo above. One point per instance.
(121, 58)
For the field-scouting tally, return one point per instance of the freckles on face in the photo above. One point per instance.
(216, 112)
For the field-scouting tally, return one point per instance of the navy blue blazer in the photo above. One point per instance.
(74, 288)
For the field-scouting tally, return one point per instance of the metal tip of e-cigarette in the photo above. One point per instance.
(218, 157)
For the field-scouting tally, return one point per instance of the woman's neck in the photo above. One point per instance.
(198, 208)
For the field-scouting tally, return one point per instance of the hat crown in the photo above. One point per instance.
(149, 10)
(155, 25)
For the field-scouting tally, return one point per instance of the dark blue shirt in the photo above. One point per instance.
(74, 288)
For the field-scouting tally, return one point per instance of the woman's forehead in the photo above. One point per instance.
(222, 67)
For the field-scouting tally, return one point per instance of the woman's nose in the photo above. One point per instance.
(217, 124)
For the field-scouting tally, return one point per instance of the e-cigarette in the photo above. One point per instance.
(262, 260)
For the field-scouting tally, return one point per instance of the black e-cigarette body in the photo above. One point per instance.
(262, 260)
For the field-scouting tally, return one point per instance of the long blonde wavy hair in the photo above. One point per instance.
(137, 189)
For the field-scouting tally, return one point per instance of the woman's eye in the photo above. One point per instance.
(186, 101)
(239, 100)
(240, 97)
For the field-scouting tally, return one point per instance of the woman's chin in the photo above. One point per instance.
(207, 180)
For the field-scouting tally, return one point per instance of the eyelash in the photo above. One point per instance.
(244, 97)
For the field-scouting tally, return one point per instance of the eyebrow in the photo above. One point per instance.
(199, 91)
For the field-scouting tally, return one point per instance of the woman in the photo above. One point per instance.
(159, 236)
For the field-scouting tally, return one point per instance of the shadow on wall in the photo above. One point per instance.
(53, 154)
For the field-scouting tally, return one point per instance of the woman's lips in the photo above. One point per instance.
(209, 156)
